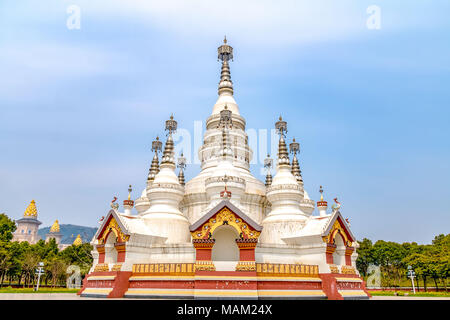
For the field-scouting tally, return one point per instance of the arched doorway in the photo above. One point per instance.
(110, 250)
(339, 253)
(225, 252)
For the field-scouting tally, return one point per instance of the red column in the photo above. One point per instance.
(329, 253)
(101, 253)
(121, 251)
(203, 252)
(348, 255)
(246, 254)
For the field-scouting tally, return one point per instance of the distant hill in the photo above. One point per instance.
(70, 232)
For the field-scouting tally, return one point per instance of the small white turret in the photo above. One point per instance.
(285, 194)
(322, 205)
(128, 204)
(164, 217)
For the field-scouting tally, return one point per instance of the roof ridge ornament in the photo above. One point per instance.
(337, 206)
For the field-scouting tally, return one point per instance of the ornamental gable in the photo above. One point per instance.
(225, 213)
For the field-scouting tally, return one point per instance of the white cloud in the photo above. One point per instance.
(262, 21)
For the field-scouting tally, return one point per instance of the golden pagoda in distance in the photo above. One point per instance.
(54, 233)
(31, 210)
(27, 227)
(55, 227)
(78, 241)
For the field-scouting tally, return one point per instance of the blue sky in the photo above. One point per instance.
(79, 108)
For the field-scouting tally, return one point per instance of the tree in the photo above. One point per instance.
(80, 256)
(57, 269)
(29, 264)
(7, 227)
(365, 256)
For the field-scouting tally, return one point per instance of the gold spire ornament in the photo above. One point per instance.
(31, 211)
(283, 155)
(55, 227)
(225, 53)
(77, 241)
(296, 172)
(268, 163)
(154, 168)
(171, 127)
(182, 166)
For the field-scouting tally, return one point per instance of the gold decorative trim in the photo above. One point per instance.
(114, 227)
(246, 266)
(164, 268)
(204, 265)
(334, 268)
(101, 267)
(337, 228)
(286, 270)
(348, 270)
(116, 267)
(225, 217)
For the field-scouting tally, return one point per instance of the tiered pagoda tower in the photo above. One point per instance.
(224, 233)
(27, 227)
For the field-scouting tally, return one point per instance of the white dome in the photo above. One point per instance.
(228, 100)
(166, 175)
(284, 177)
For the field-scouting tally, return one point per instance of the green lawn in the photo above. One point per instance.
(41, 290)
(410, 294)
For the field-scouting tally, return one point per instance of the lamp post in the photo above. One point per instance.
(412, 275)
(39, 272)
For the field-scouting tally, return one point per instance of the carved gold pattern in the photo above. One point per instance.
(114, 227)
(101, 267)
(337, 228)
(246, 266)
(348, 270)
(164, 268)
(286, 270)
(334, 268)
(225, 216)
(204, 265)
(116, 267)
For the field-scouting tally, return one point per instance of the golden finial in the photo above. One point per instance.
(280, 118)
(321, 193)
(55, 227)
(129, 192)
(225, 39)
(31, 210)
(78, 241)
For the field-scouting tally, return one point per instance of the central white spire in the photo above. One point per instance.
(225, 54)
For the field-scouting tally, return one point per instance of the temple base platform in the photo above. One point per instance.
(183, 281)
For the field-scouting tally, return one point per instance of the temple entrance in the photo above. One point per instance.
(339, 253)
(225, 252)
(110, 250)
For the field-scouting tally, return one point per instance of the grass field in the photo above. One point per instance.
(410, 294)
(41, 290)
